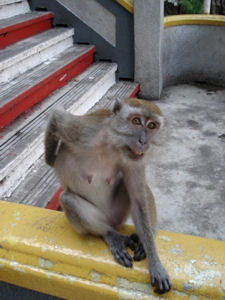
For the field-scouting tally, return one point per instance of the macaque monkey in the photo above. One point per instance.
(99, 159)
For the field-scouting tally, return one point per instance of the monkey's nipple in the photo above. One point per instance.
(89, 179)
(108, 180)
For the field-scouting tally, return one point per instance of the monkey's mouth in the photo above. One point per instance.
(134, 154)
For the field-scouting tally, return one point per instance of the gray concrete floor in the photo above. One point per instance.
(188, 176)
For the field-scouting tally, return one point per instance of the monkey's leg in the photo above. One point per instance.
(139, 252)
(86, 217)
(143, 213)
(83, 215)
(118, 212)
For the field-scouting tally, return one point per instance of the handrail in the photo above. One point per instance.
(127, 4)
(186, 19)
(215, 20)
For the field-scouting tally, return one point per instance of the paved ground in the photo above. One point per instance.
(188, 177)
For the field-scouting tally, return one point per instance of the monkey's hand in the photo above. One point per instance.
(139, 251)
(118, 244)
(160, 279)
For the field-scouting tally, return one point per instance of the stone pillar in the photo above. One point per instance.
(148, 31)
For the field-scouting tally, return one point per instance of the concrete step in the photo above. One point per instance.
(10, 8)
(19, 27)
(26, 54)
(121, 90)
(34, 85)
(23, 139)
(40, 186)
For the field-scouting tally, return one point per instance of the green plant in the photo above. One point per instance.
(192, 6)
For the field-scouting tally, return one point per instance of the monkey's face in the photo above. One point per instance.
(135, 124)
(142, 130)
(134, 134)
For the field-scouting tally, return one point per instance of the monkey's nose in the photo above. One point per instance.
(142, 140)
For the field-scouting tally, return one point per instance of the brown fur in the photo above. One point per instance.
(101, 113)
(99, 166)
(144, 104)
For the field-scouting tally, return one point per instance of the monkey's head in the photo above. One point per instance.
(135, 124)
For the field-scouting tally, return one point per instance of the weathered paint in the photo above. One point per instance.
(17, 32)
(42, 252)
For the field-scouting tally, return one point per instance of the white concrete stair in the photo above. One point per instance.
(10, 8)
(26, 54)
(34, 85)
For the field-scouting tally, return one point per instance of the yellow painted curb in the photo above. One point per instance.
(214, 20)
(39, 250)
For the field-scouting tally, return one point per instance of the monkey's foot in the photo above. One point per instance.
(118, 244)
(160, 279)
(139, 251)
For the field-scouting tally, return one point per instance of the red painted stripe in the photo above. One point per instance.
(26, 100)
(54, 201)
(11, 37)
(17, 32)
(135, 91)
(26, 23)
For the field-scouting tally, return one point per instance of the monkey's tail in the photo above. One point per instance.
(51, 142)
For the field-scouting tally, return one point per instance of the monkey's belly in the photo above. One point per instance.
(93, 175)
(94, 183)
(94, 187)
(104, 194)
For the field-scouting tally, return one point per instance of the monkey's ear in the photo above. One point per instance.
(117, 106)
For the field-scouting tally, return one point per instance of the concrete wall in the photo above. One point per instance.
(194, 53)
(190, 48)
(95, 16)
(148, 30)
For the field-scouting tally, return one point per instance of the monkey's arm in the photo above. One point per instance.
(144, 216)
(62, 126)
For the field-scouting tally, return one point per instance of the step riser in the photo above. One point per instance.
(10, 176)
(37, 93)
(9, 37)
(13, 9)
(35, 59)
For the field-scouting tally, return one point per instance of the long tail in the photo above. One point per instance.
(51, 141)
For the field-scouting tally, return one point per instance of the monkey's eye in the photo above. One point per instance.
(151, 125)
(136, 121)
